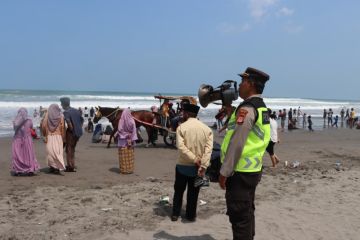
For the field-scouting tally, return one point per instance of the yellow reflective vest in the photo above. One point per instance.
(256, 142)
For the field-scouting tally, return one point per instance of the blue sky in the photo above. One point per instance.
(309, 48)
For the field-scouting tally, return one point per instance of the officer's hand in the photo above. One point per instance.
(222, 181)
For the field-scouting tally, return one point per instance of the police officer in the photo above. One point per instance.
(242, 150)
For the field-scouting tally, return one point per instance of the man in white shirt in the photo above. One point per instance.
(273, 139)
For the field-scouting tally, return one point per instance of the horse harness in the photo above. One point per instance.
(99, 115)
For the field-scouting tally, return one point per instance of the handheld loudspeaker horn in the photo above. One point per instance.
(227, 92)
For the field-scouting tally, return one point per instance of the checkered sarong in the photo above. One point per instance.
(126, 160)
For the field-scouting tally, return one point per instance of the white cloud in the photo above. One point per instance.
(245, 27)
(232, 28)
(285, 12)
(293, 29)
(258, 8)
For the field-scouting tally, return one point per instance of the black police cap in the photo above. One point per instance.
(255, 74)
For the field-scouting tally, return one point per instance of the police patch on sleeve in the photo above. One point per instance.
(265, 117)
(241, 116)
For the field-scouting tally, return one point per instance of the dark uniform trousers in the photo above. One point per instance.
(181, 181)
(71, 141)
(240, 195)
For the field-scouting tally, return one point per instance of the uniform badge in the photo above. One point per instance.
(265, 117)
(241, 116)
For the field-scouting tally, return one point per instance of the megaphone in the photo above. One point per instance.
(227, 92)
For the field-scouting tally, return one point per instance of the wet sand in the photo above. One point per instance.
(317, 200)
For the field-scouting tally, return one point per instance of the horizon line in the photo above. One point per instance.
(158, 93)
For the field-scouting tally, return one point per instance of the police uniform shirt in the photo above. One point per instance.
(238, 139)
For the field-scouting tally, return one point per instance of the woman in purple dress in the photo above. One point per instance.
(23, 155)
(126, 141)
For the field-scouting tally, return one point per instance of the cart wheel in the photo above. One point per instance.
(169, 139)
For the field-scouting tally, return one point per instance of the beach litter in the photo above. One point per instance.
(164, 200)
(337, 165)
(295, 164)
(202, 202)
(106, 209)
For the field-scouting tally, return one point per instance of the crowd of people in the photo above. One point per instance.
(293, 116)
(296, 118)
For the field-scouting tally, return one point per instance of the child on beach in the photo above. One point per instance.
(310, 124)
(90, 126)
(336, 118)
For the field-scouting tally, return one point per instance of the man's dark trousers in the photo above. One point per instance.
(240, 195)
(181, 181)
(71, 141)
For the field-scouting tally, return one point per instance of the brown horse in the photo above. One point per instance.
(142, 118)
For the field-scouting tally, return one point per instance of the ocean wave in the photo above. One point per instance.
(76, 98)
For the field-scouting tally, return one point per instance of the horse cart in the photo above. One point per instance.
(163, 121)
(170, 117)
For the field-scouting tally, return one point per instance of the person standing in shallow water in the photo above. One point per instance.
(342, 115)
(74, 122)
(290, 117)
(330, 118)
(283, 118)
(23, 158)
(310, 124)
(304, 120)
(324, 116)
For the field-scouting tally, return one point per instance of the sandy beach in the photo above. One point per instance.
(317, 200)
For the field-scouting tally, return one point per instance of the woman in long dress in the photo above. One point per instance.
(53, 129)
(23, 160)
(126, 141)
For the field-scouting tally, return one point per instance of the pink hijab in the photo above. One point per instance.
(54, 117)
(127, 127)
(20, 118)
